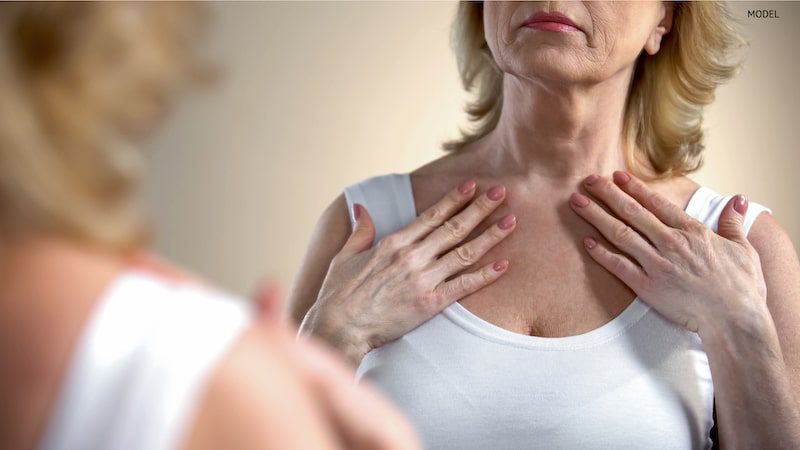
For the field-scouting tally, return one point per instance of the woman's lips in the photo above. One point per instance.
(551, 22)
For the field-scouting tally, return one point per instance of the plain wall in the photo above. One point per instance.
(315, 96)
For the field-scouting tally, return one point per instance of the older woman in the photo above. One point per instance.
(620, 304)
(101, 348)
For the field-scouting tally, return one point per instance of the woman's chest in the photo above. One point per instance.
(552, 287)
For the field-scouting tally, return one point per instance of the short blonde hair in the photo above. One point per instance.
(669, 90)
(80, 83)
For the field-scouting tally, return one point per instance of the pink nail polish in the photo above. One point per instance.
(621, 177)
(507, 222)
(496, 193)
(466, 187)
(591, 179)
(356, 211)
(579, 200)
(589, 243)
(740, 204)
(500, 266)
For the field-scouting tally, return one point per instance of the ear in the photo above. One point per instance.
(666, 11)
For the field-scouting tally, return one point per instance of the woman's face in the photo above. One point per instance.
(607, 37)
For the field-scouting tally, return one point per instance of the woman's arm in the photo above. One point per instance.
(271, 392)
(714, 284)
(755, 361)
(256, 401)
(330, 234)
(374, 295)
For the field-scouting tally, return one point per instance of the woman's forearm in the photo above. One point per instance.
(755, 404)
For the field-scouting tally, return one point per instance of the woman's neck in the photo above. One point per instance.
(558, 131)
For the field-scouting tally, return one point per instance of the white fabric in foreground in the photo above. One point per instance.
(636, 382)
(139, 368)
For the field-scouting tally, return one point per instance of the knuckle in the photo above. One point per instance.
(429, 300)
(432, 216)
(673, 241)
(630, 209)
(406, 256)
(417, 281)
(617, 262)
(495, 234)
(388, 244)
(694, 226)
(455, 229)
(605, 184)
(664, 266)
(483, 204)
(486, 276)
(453, 196)
(463, 284)
(464, 256)
(621, 233)
(659, 202)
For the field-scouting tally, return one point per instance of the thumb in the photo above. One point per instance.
(363, 232)
(731, 220)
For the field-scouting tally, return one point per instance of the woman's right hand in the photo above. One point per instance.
(372, 296)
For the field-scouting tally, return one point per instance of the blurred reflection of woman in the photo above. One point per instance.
(620, 302)
(100, 347)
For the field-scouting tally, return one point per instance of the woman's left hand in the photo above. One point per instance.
(675, 263)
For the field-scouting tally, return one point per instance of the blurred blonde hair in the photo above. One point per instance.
(80, 85)
(669, 90)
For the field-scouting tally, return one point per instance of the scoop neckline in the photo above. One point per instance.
(635, 311)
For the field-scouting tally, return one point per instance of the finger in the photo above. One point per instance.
(619, 266)
(457, 228)
(268, 303)
(731, 220)
(363, 233)
(465, 284)
(465, 256)
(617, 232)
(666, 211)
(627, 208)
(433, 217)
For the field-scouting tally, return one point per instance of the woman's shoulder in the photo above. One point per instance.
(450, 166)
(433, 180)
(147, 334)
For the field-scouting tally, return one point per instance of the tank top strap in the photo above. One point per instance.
(142, 364)
(389, 199)
(708, 206)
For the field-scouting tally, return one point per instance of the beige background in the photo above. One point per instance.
(319, 95)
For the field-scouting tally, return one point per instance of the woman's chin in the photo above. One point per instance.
(551, 69)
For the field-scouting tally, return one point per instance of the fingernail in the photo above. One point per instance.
(500, 266)
(507, 222)
(621, 177)
(579, 200)
(467, 187)
(589, 243)
(496, 193)
(356, 211)
(591, 179)
(740, 204)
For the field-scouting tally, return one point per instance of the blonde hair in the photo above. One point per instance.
(80, 84)
(669, 90)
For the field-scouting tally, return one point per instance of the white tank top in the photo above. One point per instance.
(636, 382)
(139, 368)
